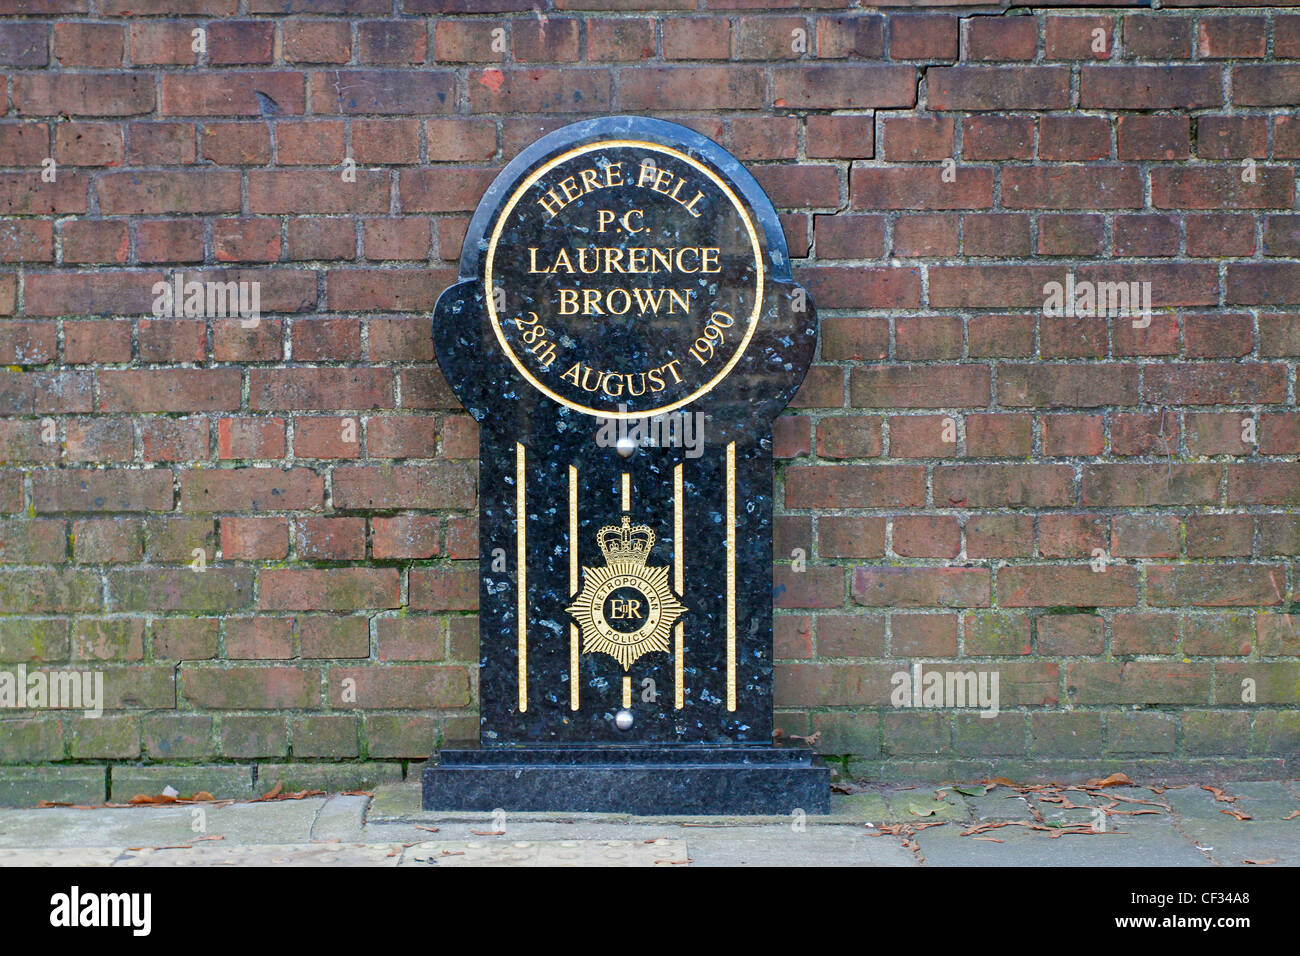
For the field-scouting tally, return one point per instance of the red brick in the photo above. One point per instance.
(254, 539)
(88, 144)
(926, 536)
(241, 42)
(1001, 38)
(316, 41)
(923, 37)
(697, 38)
(553, 40)
(88, 44)
(1073, 138)
(998, 88)
(1231, 37)
(391, 41)
(851, 486)
(839, 137)
(230, 93)
(1075, 38)
(237, 144)
(841, 86)
(997, 137)
(331, 539)
(1149, 87)
(621, 39)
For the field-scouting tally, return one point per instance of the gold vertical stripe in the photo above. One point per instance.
(731, 575)
(627, 491)
(573, 585)
(521, 572)
(627, 691)
(679, 583)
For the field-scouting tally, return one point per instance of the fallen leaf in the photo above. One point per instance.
(488, 832)
(201, 796)
(973, 791)
(1000, 782)
(840, 788)
(1292, 815)
(1219, 794)
(358, 793)
(1114, 780)
(274, 791)
(988, 839)
(1237, 813)
(1261, 862)
(53, 803)
(429, 829)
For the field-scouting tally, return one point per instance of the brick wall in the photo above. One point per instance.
(230, 521)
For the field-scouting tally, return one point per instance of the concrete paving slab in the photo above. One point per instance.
(925, 804)
(222, 782)
(1265, 799)
(1232, 842)
(1192, 803)
(866, 807)
(286, 821)
(1000, 804)
(837, 845)
(660, 852)
(1154, 846)
(342, 817)
(28, 786)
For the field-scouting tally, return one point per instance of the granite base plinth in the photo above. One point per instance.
(645, 781)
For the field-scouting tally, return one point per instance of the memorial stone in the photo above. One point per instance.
(624, 329)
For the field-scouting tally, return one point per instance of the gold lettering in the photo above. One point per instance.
(552, 207)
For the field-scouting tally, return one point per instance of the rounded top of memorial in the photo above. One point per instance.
(623, 271)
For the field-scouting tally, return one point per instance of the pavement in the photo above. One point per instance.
(1103, 823)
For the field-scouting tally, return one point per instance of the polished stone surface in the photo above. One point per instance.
(625, 272)
(638, 780)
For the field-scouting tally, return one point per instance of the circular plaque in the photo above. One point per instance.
(624, 278)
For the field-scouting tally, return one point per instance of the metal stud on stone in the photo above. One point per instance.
(623, 720)
(625, 446)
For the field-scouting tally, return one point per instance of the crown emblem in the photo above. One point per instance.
(625, 609)
(628, 542)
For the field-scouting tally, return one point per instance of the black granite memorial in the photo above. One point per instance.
(624, 329)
